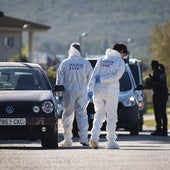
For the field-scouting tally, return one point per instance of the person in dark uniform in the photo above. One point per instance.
(160, 98)
(163, 100)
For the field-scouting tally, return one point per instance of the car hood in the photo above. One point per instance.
(25, 95)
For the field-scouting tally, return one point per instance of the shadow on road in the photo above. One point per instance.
(129, 142)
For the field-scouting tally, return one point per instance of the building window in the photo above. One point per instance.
(9, 42)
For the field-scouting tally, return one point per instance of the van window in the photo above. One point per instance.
(93, 63)
(125, 82)
(135, 72)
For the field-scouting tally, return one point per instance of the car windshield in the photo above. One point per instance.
(22, 78)
(125, 83)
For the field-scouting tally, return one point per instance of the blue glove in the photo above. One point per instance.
(60, 98)
(97, 79)
(90, 95)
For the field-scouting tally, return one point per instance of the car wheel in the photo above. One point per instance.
(141, 126)
(75, 128)
(50, 142)
(135, 130)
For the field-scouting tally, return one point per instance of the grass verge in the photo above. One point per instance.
(151, 123)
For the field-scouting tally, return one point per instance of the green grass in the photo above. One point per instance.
(150, 110)
(151, 123)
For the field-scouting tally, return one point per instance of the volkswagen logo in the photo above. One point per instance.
(9, 109)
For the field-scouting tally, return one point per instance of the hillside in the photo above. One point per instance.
(106, 22)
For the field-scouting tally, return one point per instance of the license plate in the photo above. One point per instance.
(12, 121)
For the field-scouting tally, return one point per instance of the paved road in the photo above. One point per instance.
(142, 152)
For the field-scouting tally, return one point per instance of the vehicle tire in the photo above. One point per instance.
(75, 128)
(103, 128)
(141, 121)
(90, 114)
(140, 126)
(50, 142)
(135, 130)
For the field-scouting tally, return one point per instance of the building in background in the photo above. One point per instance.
(11, 30)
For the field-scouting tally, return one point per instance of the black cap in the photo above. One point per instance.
(154, 64)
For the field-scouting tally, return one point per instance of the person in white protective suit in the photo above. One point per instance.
(104, 88)
(74, 74)
(122, 49)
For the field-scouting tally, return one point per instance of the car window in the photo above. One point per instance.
(22, 78)
(135, 71)
(93, 63)
(125, 82)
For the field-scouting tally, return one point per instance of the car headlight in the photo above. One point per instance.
(47, 107)
(129, 102)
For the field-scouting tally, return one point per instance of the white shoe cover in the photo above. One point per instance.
(94, 144)
(112, 145)
(65, 143)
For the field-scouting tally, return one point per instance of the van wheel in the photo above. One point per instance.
(141, 127)
(135, 130)
(75, 129)
(141, 120)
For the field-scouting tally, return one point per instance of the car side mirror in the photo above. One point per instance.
(139, 87)
(147, 83)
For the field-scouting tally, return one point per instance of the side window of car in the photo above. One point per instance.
(136, 71)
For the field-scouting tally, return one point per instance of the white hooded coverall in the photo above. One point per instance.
(110, 68)
(74, 73)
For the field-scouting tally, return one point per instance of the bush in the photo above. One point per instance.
(51, 73)
(19, 58)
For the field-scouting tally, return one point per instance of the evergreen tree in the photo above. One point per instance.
(160, 47)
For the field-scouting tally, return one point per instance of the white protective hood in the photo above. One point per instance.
(73, 51)
(112, 53)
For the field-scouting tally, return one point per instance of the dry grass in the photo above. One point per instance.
(151, 123)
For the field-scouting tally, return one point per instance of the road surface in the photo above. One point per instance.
(142, 152)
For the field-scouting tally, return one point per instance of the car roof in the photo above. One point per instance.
(18, 64)
(134, 61)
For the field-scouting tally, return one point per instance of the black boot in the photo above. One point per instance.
(157, 133)
(164, 132)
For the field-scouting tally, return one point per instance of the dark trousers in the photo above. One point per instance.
(159, 105)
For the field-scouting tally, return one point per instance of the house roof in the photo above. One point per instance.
(7, 22)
